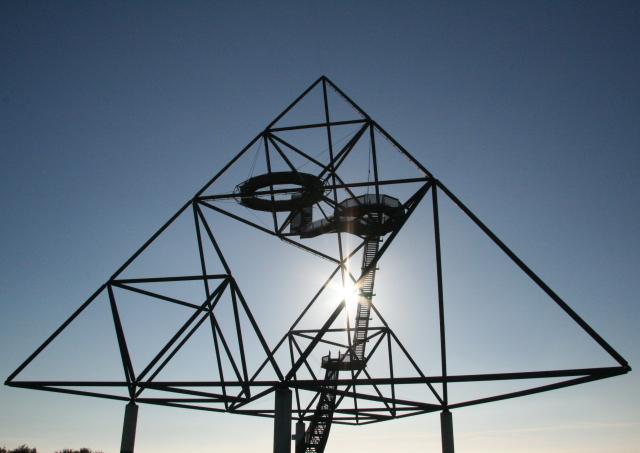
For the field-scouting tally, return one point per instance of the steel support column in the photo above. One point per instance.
(282, 422)
(300, 433)
(129, 428)
(446, 431)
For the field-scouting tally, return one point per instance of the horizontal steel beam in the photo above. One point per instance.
(601, 372)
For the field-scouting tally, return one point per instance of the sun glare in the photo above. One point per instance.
(349, 294)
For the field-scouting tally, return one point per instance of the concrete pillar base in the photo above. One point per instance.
(300, 432)
(129, 428)
(282, 422)
(446, 431)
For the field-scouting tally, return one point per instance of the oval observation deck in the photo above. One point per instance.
(257, 192)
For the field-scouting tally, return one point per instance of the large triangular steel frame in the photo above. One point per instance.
(214, 287)
(234, 395)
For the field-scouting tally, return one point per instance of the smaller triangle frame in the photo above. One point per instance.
(362, 188)
(195, 303)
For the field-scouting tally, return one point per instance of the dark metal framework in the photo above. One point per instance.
(360, 398)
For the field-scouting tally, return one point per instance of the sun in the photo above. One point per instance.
(349, 293)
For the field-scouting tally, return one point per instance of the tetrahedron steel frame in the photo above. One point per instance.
(283, 195)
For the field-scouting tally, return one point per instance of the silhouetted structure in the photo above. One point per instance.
(341, 193)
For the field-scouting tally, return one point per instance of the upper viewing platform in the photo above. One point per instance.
(364, 215)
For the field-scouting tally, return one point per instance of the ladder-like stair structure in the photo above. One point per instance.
(363, 315)
(317, 434)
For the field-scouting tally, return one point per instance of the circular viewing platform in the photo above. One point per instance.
(365, 215)
(310, 187)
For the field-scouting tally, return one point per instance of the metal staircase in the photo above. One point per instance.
(317, 434)
(364, 301)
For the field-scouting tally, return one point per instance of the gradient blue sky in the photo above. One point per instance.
(113, 114)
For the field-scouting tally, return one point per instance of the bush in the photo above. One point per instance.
(20, 449)
(25, 449)
(82, 450)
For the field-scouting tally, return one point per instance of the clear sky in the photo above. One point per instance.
(114, 114)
